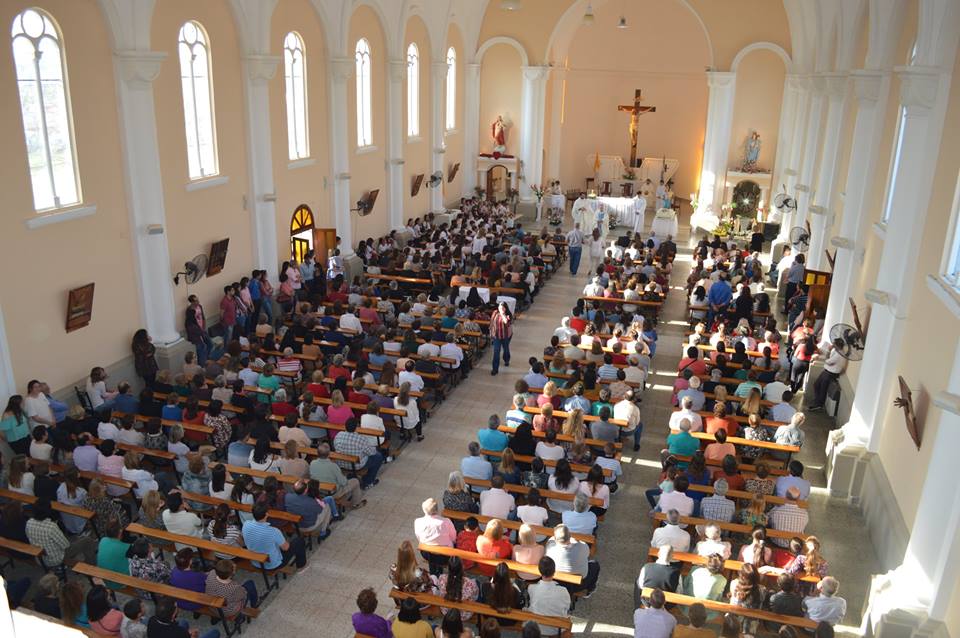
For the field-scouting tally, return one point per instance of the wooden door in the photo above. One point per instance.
(818, 293)
(299, 247)
(324, 241)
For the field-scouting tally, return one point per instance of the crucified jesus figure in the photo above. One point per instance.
(635, 110)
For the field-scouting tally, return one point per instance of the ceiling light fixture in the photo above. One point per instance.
(588, 16)
(510, 5)
(622, 23)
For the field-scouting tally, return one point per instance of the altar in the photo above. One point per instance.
(623, 210)
(665, 223)
(613, 170)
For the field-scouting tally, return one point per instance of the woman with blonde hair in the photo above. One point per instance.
(291, 463)
(457, 497)
(338, 412)
(71, 493)
(596, 352)
(574, 425)
(133, 472)
(809, 563)
(755, 512)
(544, 421)
(103, 507)
(508, 467)
(751, 405)
(527, 550)
(20, 478)
(550, 396)
(493, 544)
(406, 575)
(151, 510)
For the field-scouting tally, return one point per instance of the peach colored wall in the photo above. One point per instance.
(500, 88)
(416, 151)
(759, 94)
(454, 139)
(367, 165)
(736, 23)
(198, 218)
(667, 65)
(531, 26)
(301, 184)
(69, 254)
(926, 363)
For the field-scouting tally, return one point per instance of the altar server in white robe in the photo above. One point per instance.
(639, 212)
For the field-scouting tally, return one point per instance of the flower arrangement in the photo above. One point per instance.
(538, 191)
(629, 174)
(724, 229)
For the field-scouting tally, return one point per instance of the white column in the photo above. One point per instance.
(811, 150)
(471, 128)
(8, 383)
(397, 71)
(259, 70)
(822, 213)
(532, 104)
(786, 130)
(923, 95)
(556, 124)
(341, 70)
(794, 155)
(438, 147)
(871, 90)
(135, 72)
(716, 143)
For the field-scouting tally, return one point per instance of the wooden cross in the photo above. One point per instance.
(635, 110)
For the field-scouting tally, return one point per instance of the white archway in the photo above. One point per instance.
(524, 59)
(762, 46)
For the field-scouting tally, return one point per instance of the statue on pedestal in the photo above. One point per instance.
(751, 153)
(498, 130)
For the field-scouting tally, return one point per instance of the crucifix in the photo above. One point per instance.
(635, 110)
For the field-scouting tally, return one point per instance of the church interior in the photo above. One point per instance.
(263, 377)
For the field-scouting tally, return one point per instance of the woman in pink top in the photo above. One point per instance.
(338, 412)
(528, 551)
(716, 451)
(111, 465)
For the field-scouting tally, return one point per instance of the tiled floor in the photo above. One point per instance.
(358, 554)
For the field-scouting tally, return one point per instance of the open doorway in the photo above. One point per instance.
(301, 232)
(498, 183)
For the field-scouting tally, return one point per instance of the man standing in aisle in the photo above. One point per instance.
(575, 248)
(501, 331)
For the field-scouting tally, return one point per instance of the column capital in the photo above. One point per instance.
(794, 81)
(918, 86)
(261, 68)
(867, 84)
(721, 79)
(880, 297)
(842, 242)
(397, 70)
(439, 69)
(342, 69)
(818, 210)
(139, 68)
(472, 66)
(835, 84)
(535, 73)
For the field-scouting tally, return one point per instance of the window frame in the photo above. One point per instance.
(413, 91)
(68, 138)
(298, 132)
(202, 40)
(450, 97)
(363, 61)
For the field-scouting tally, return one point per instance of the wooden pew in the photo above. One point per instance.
(246, 508)
(560, 414)
(523, 490)
(57, 506)
(514, 566)
(578, 468)
(729, 565)
(481, 611)
(282, 478)
(727, 608)
(244, 558)
(457, 515)
(731, 527)
(741, 442)
(597, 443)
(740, 419)
(20, 551)
(745, 468)
(210, 605)
(89, 476)
(744, 495)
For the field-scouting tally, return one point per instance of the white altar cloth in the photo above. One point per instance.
(665, 223)
(555, 201)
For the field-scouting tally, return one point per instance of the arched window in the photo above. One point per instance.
(196, 81)
(897, 150)
(364, 116)
(295, 83)
(301, 232)
(413, 91)
(451, 89)
(45, 107)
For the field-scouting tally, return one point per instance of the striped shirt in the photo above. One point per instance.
(230, 537)
(265, 539)
(501, 326)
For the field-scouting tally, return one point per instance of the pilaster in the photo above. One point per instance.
(135, 73)
(471, 127)
(438, 148)
(532, 107)
(835, 91)
(396, 74)
(259, 70)
(722, 86)
(340, 72)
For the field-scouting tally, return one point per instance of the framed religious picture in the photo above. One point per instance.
(452, 173)
(417, 183)
(218, 257)
(79, 307)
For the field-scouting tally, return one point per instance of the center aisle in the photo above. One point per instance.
(364, 545)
